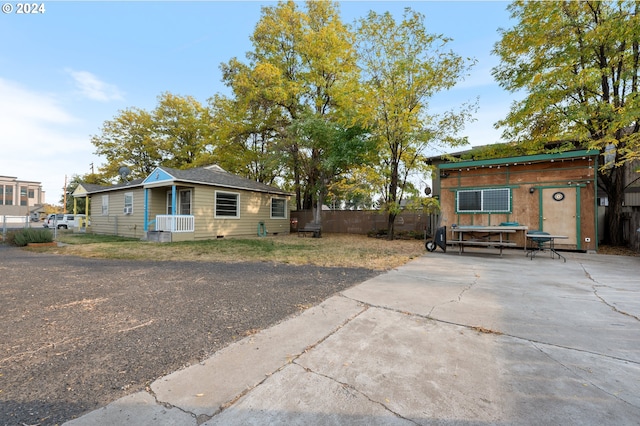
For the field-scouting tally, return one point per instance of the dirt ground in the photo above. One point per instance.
(76, 333)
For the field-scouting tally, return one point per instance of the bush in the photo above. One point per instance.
(29, 235)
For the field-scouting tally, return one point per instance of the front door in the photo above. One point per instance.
(559, 214)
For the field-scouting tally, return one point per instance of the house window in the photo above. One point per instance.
(227, 205)
(184, 197)
(32, 193)
(278, 208)
(184, 202)
(128, 202)
(496, 200)
(105, 205)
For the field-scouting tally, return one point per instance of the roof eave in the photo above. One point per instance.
(522, 159)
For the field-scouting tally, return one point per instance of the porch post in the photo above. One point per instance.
(146, 209)
(174, 209)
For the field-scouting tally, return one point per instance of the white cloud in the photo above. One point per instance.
(94, 88)
(17, 103)
(40, 140)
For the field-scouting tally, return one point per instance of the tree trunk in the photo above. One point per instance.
(391, 226)
(392, 198)
(616, 199)
(613, 184)
(318, 213)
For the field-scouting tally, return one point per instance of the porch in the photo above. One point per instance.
(169, 228)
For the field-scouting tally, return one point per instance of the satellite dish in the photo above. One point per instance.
(427, 190)
(124, 171)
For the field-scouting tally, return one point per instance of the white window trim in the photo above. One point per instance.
(215, 207)
(182, 191)
(105, 205)
(168, 207)
(284, 212)
(130, 205)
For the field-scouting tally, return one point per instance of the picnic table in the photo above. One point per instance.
(540, 241)
(310, 228)
(484, 236)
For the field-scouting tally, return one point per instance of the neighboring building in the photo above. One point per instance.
(555, 193)
(20, 197)
(180, 205)
(631, 209)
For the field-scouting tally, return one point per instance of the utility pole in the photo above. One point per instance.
(64, 193)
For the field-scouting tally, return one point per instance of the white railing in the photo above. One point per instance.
(177, 223)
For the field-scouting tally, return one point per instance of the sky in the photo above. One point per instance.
(74, 65)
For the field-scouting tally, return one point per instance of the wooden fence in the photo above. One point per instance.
(362, 221)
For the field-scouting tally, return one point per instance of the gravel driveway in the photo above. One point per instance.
(76, 333)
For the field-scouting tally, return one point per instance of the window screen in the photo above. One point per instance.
(227, 205)
(484, 201)
(278, 208)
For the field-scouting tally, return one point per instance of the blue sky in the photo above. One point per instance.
(66, 71)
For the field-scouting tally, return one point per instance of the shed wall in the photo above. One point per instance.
(526, 181)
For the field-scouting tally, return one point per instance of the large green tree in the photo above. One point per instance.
(175, 134)
(302, 75)
(181, 128)
(403, 68)
(245, 130)
(578, 64)
(128, 139)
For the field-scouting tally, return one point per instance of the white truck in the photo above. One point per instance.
(62, 221)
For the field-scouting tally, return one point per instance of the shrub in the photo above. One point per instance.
(29, 235)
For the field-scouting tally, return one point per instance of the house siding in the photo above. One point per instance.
(255, 207)
(116, 222)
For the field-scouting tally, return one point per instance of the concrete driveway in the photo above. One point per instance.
(447, 339)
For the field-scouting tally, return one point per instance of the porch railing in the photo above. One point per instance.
(177, 223)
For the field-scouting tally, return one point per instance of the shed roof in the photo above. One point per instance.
(568, 155)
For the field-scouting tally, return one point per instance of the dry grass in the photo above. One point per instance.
(617, 251)
(331, 250)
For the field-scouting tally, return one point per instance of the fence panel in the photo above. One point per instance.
(362, 221)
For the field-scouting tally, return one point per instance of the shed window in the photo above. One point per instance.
(278, 208)
(227, 205)
(484, 201)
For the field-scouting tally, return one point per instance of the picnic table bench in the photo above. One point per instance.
(484, 236)
(310, 228)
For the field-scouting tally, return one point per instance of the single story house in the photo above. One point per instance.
(182, 205)
(554, 193)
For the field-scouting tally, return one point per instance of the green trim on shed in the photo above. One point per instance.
(524, 159)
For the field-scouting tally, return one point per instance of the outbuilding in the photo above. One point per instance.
(554, 193)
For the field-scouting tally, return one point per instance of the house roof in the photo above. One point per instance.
(208, 175)
(92, 188)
